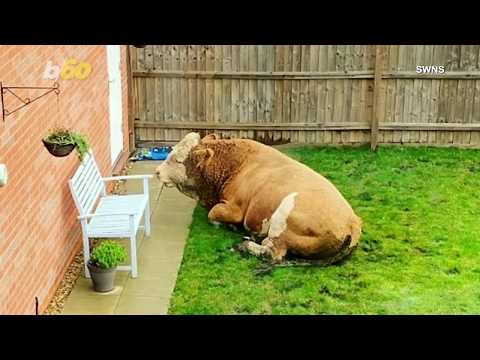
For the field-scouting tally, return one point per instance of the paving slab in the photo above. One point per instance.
(141, 305)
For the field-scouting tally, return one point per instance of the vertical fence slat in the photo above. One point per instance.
(201, 83)
(209, 86)
(227, 85)
(270, 83)
(303, 95)
(378, 95)
(167, 85)
(235, 101)
(260, 85)
(329, 91)
(243, 85)
(183, 83)
(176, 106)
(287, 87)
(278, 84)
(218, 91)
(322, 64)
(192, 88)
(295, 96)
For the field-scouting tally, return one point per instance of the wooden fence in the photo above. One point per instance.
(331, 94)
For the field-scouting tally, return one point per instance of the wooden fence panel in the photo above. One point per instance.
(307, 93)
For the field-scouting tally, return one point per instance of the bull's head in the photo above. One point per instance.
(172, 171)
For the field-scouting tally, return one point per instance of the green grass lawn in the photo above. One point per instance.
(419, 252)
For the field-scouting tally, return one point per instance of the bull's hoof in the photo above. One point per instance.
(215, 224)
(254, 238)
(242, 247)
(233, 227)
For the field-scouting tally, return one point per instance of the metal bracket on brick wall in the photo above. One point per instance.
(25, 101)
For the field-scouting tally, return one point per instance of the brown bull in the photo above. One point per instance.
(290, 207)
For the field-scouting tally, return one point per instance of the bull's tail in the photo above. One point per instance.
(344, 251)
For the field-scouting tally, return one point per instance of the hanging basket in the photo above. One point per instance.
(58, 150)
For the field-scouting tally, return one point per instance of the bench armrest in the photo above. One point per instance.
(127, 177)
(88, 216)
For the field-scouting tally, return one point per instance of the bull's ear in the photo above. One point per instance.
(210, 137)
(204, 156)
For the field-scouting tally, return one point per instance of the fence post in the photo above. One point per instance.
(378, 95)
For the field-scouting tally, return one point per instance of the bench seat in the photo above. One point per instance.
(111, 225)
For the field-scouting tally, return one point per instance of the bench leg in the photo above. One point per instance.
(133, 255)
(147, 220)
(86, 254)
(146, 192)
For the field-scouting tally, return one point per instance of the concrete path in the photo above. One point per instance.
(159, 258)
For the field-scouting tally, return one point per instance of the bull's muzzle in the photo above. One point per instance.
(158, 172)
(167, 184)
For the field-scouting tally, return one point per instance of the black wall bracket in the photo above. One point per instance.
(25, 101)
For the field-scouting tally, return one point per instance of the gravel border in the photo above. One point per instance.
(55, 307)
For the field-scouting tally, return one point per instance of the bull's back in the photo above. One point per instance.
(270, 169)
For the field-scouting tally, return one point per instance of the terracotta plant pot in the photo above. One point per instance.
(58, 150)
(103, 279)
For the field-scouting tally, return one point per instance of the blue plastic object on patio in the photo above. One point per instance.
(160, 153)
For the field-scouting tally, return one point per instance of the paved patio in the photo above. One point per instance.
(159, 258)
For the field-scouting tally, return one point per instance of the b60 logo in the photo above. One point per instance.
(71, 69)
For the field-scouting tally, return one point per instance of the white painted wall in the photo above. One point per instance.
(115, 101)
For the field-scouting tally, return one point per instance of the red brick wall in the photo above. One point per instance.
(39, 232)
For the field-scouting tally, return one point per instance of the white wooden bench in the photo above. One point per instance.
(109, 216)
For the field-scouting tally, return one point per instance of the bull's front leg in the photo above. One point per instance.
(225, 212)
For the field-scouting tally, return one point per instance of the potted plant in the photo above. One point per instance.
(103, 263)
(61, 142)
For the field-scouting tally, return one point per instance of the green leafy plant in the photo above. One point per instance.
(108, 254)
(62, 136)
